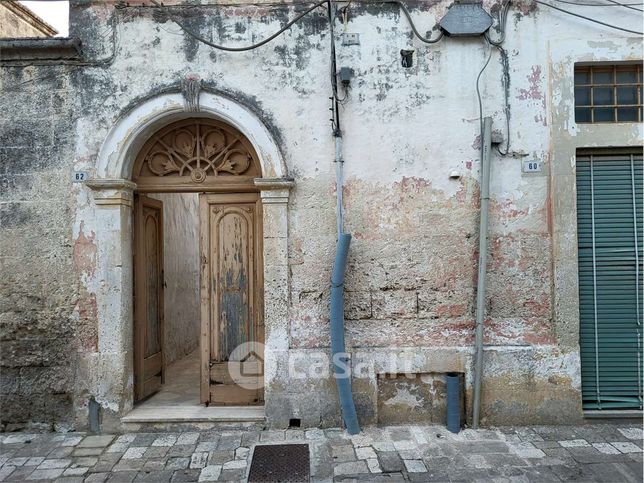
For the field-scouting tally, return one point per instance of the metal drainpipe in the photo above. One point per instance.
(486, 146)
(341, 360)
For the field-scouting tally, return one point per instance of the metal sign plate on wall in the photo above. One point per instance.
(80, 176)
(531, 167)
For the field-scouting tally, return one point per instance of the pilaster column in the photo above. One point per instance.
(113, 286)
(275, 195)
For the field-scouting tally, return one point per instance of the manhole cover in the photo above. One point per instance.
(280, 463)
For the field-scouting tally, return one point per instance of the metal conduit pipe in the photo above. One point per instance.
(486, 147)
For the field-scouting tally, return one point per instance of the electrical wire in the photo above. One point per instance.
(248, 47)
(335, 121)
(506, 97)
(617, 4)
(198, 37)
(588, 18)
(501, 23)
(478, 78)
(420, 37)
(585, 4)
(402, 6)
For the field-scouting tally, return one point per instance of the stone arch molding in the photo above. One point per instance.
(109, 370)
(125, 139)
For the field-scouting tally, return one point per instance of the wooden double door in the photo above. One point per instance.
(231, 325)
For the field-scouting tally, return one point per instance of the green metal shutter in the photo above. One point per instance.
(610, 198)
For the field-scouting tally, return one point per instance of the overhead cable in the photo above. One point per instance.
(617, 4)
(248, 47)
(595, 4)
(198, 37)
(420, 37)
(589, 19)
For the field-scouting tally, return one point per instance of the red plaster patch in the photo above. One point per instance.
(534, 89)
(88, 315)
(451, 310)
(84, 252)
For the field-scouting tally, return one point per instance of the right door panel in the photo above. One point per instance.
(232, 331)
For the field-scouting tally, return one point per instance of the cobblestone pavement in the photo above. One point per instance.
(598, 452)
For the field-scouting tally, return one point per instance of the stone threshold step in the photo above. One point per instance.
(194, 414)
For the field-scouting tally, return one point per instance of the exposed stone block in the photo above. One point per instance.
(19, 353)
(445, 304)
(393, 304)
(52, 380)
(357, 305)
(9, 380)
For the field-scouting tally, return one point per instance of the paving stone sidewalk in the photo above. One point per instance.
(608, 453)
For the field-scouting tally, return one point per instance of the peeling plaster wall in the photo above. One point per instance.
(181, 273)
(411, 276)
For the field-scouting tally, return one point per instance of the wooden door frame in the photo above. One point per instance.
(205, 199)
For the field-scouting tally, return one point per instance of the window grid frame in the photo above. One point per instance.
(591, 70)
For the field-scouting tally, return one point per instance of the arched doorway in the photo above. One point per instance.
(198, 275)
(108, 216)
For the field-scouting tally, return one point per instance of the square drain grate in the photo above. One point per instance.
(280, 463)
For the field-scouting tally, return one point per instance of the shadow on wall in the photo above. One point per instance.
(181, 273)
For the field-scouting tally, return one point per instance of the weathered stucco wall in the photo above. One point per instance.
(46, 318)
(181, 273)
(411, 278)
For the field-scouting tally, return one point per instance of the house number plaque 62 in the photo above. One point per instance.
(80, 176)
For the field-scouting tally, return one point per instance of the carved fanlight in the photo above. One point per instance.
(196, 155)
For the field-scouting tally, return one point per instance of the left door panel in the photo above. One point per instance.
(148, 296)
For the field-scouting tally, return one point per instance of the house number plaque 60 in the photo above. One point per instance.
(531, 167)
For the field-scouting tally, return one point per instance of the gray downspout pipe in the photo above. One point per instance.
(341, 360)
(486, 146)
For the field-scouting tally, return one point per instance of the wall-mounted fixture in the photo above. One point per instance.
(345, 75)
(466, 18)
(454, 174)
(533, 166)
(350, 38)
(407, 58)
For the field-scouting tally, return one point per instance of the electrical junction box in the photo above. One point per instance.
(345, 75)
(350, 39)
(466, 18)
(497, 137)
